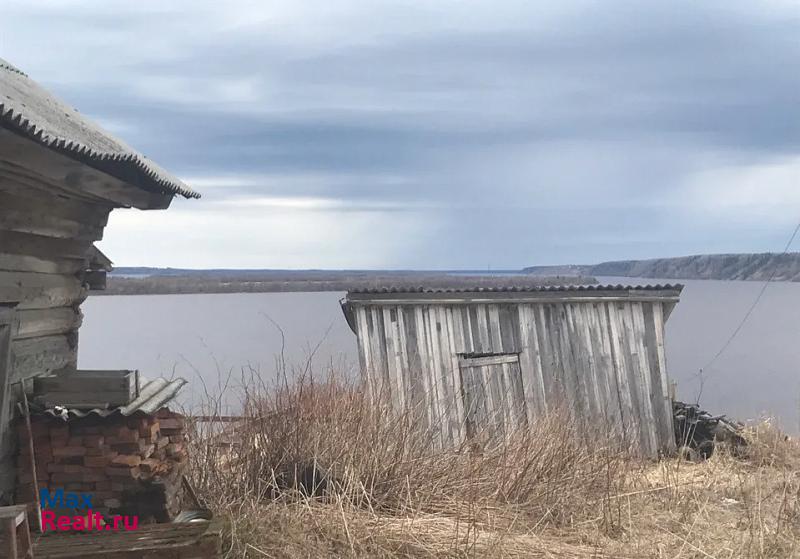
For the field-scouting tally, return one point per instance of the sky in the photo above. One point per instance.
(436, 134)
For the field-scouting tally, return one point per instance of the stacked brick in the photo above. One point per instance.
(131, 465)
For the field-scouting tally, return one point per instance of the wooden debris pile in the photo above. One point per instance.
(697, 431)
(131, 465)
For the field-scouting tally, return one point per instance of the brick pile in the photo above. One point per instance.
(131, 465)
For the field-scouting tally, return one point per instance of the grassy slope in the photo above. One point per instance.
(563, 492)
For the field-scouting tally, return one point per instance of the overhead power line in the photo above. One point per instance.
(753, 306)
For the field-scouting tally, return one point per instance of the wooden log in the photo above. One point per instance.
(46, 248)
(36, 323)
(41, 291)
(38, 356)
(24, 263)
(14, 194)
(40, 222)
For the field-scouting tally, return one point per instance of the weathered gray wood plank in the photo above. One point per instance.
(47, 322)
(39, 291)
(38, 356)
(45, 248)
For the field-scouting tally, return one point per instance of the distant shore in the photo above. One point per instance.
(742, 266)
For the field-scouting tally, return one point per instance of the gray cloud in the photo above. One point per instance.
(569, 134)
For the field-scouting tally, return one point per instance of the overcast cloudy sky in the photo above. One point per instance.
(436, 134)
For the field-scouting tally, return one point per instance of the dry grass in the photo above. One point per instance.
(317, 471)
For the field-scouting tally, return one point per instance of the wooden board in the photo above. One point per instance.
(199, 540)
(86, 388)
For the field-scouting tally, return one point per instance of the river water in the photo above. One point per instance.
(210, 338)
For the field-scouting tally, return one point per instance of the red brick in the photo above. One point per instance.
(69, 451)
(93, 441)
(59, 432)
(126, 460)
(95, 475)
(81, 487)
(149, 432)
(129, 448)
(124, 435)
(171, 424)
(39, 448)
(82, 430)
(38, 430)
(123, 472)
(96, 461)
(63, 477)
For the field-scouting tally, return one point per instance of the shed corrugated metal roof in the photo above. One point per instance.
(28, 109)
(524, 289)
(153, 396)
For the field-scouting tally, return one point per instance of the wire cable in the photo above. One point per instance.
(753, 306)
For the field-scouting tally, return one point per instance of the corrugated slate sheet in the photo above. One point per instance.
(524, 289)
(28, 109)
(153, 396)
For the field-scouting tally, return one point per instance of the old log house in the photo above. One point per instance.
(60, 177)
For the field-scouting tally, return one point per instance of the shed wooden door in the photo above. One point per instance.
(494, 403)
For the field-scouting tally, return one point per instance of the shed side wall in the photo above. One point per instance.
(605, 360)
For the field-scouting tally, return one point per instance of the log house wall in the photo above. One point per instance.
(46, 236)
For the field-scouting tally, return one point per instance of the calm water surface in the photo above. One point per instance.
(207, 336)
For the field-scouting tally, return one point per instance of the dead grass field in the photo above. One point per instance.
(380, 488)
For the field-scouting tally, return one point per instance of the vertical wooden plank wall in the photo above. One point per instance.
(605, 360)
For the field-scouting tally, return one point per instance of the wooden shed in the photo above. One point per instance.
(493, 359)
(60, 177)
